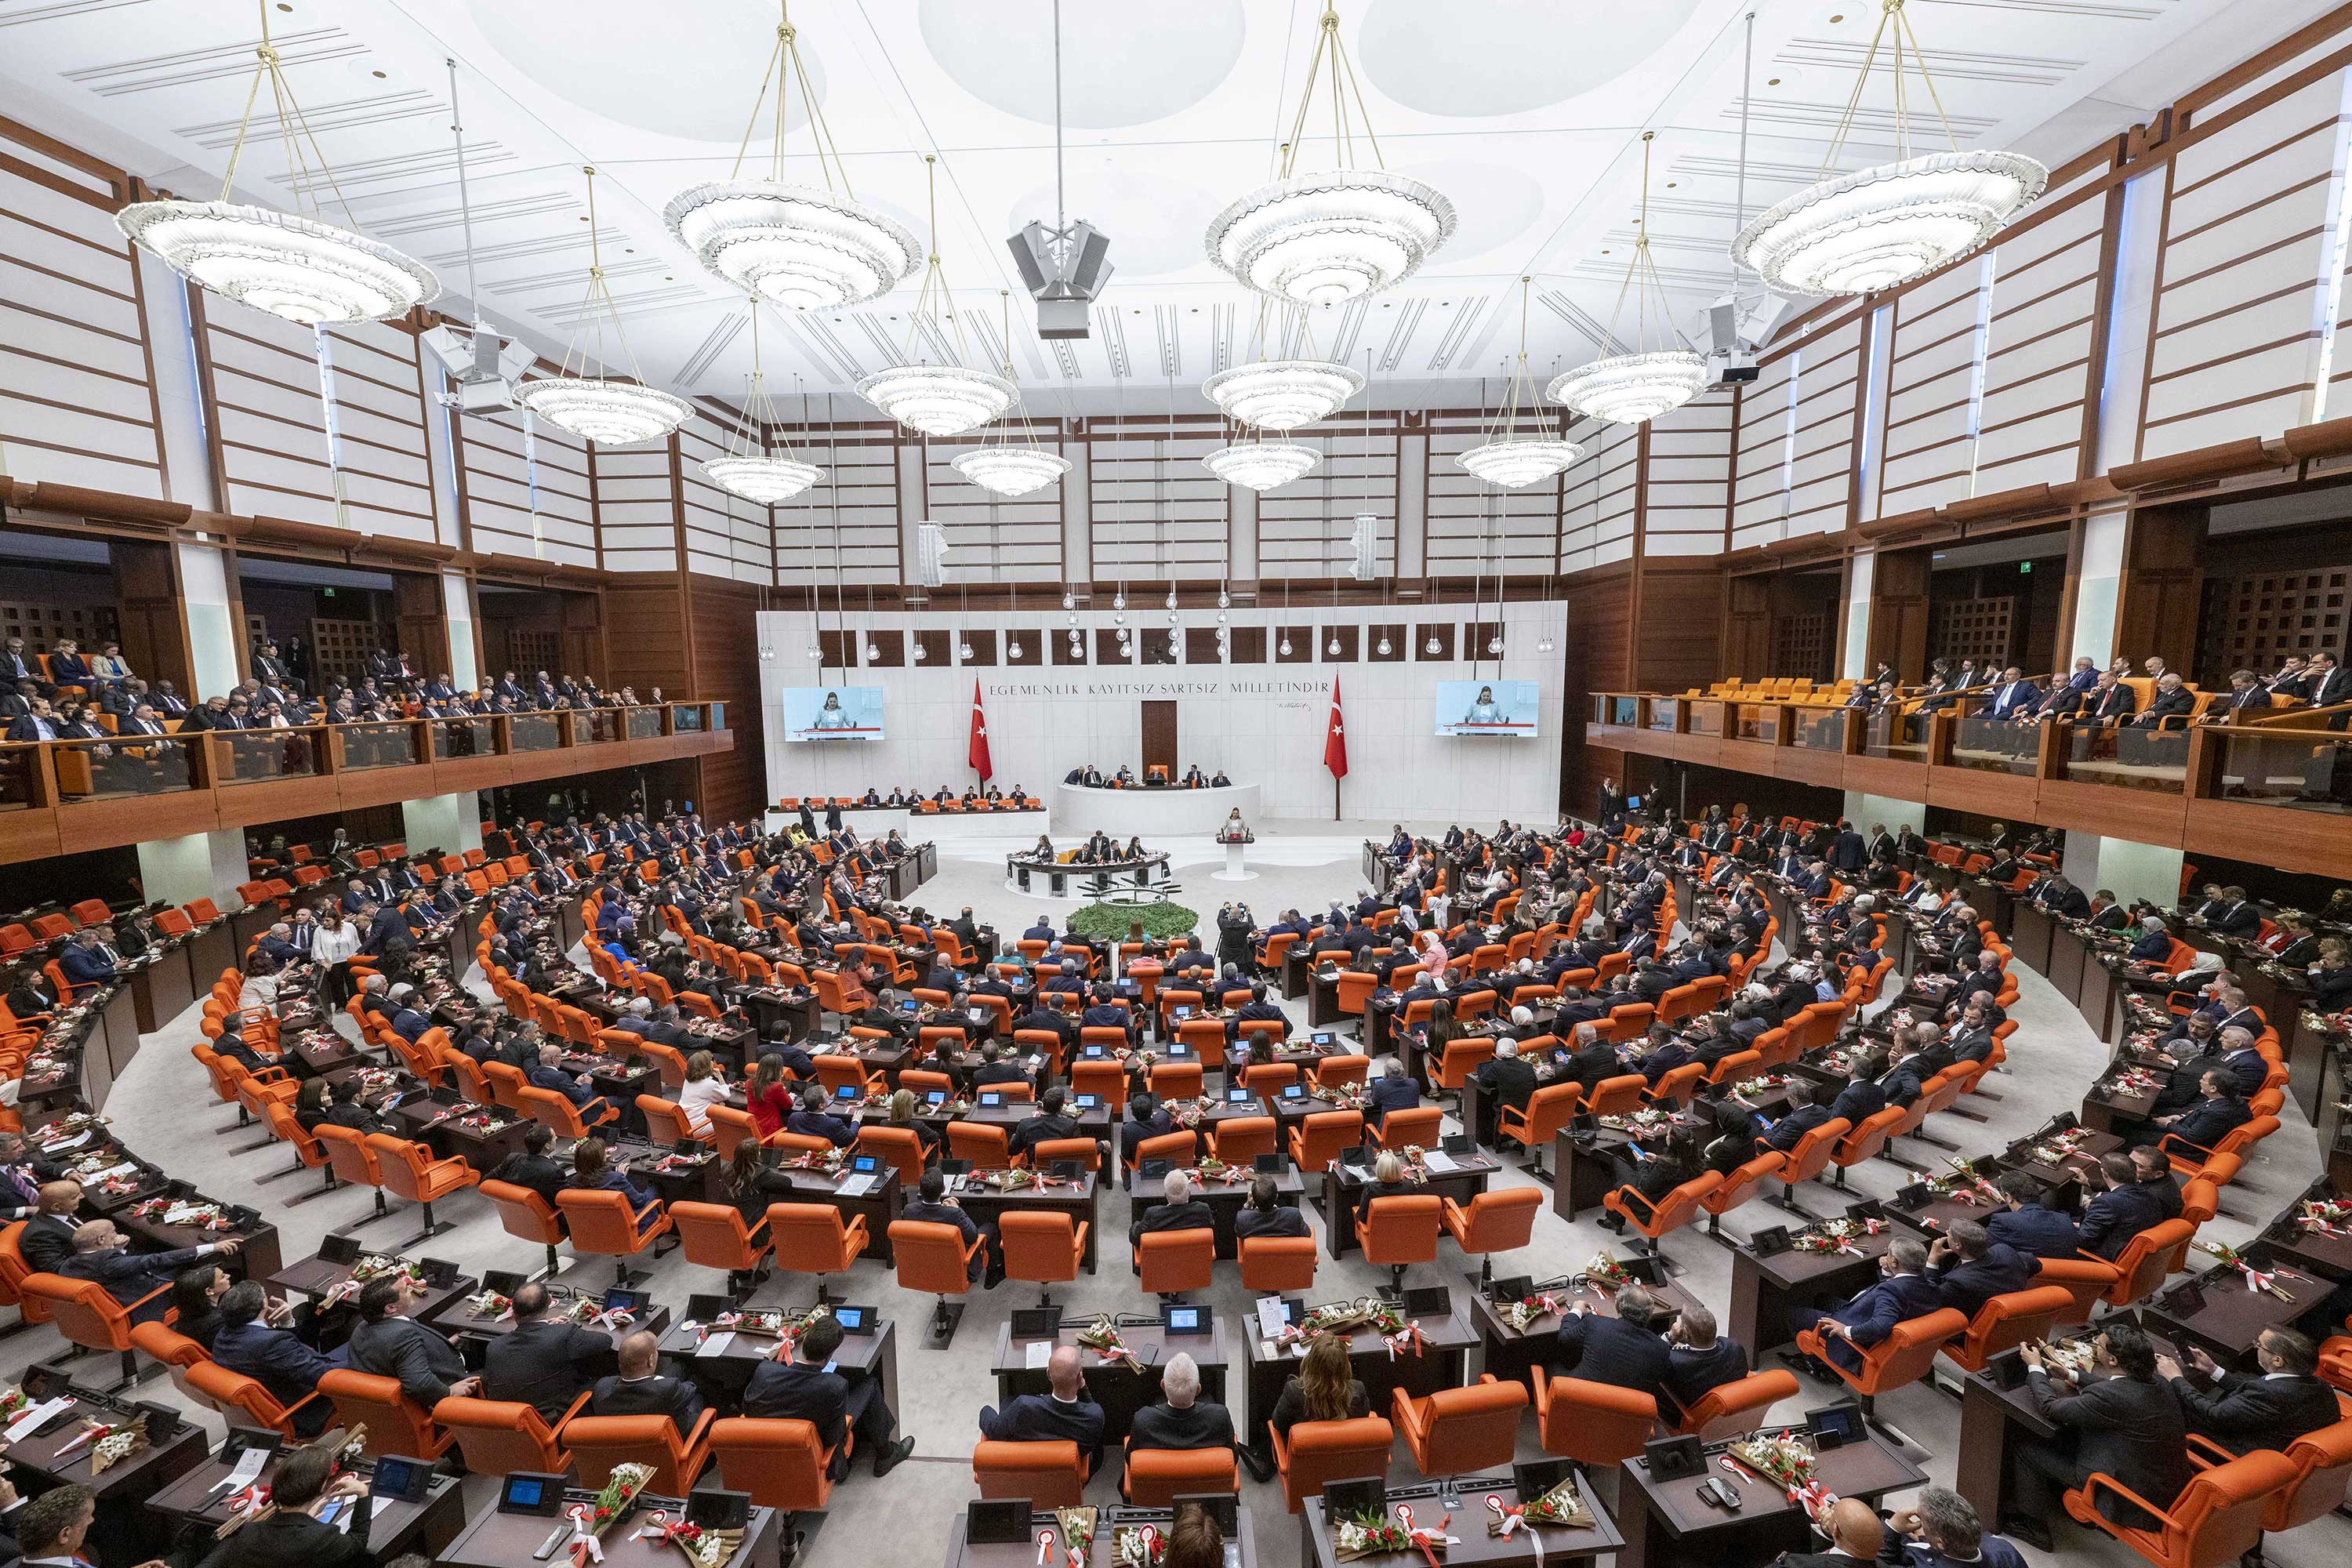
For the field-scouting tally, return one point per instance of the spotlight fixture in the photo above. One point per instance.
(815, 652)
(1065, 268)
(1011, 648)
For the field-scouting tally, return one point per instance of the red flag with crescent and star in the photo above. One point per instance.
(1335, 738)
(978, 754)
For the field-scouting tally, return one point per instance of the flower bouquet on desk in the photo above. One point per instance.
(65, 1129)
(1346, 1318)
(2323, 1216)
(1010, 1180)
(2127, 1082)
(674, 1162)
(2058, 1147)
(1078, 1528)
(1517, 1315)
(1188, 1114)
(591, 1519)
(1830, 1237)
(1416, 1163)
(824, 1162)
(1964, 1183)
(377, 1080)
(1347, 1096)
(2262, 1279)
(1103, 1338)
(1368, 1535)
(192, 1212)
(14, 1403)
(1601, 1271)
(1138, 1546)
(109, 1442)
(1563, 1506)
(1788, 1462)
(2070, 1358)
(1212, 1169)
(489, 1304)
(1645, 1122)
(704, 1547)
(372, 1266)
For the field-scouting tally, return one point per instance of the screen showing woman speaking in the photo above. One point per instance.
(833, 713)
(1486, 707)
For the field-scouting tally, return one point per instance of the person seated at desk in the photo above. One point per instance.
(1134, 850)
(591, 1170)
(101, 1254)
(640, 1388)
(1325, 1388)
(2243, 1411)
(2129, 1427)
(1802, 1117)
(814, 1120)
(1065, 1413)
(1145, 1118)
(1104, 1012)
(1391, 1091)
(1220, 781)
(291, 1535)
(995, 1068)
(1182, 1419)
(1653, 1176)
(1699, 1357)
(345, 1110)
(1625, 1352)
(251, 1341)
(1257, 1009)
(531, 1168)
(1264, 1214)
(932, 1205)
(1941, 1530)
(1052, 1122)
(543, 1365)
(1510, 1078)
(1180, 1211)
(1855, 1535)
(800, 1386)
(579, 1088)
(1195, 778)
(1388, 1181)
(196, 1297)
(1968, 1268)
(2205, 1123)
(1902, 1294)
(387, 1343)
(2025, 1225)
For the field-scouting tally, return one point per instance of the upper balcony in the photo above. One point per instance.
(2277, 792)
(61, 797)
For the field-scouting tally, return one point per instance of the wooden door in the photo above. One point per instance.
(1159, 739)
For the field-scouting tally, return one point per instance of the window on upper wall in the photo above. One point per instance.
(835, 650)
(937, 649)
(1399, 643)
(1200, 646)
(1026, 650)
(982, 645)
(1477, 635)
(1247, 645)
(1298, 640)
(1337, 645)
(1440, 632)
(1157, 645)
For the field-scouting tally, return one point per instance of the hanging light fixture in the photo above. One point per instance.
(294, 264)
(597, 407)
(1877, 227)
(919, 655)
(1329, 238)
(1383, 648)
(1430, 646)
(794, 245)
(1284, 393)
(1260, 465)
(1507, 457)
(1283, 648)
(1628, 388)
(1011, 647)
(1002, 465)
(936, 399)
(749, 469)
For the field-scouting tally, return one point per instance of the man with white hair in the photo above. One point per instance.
(1180, 1210)
(1507, 1077)
(635, 1016)
(407, 1022)
(1182, 1419)
(1391, 1091)
(279, 943)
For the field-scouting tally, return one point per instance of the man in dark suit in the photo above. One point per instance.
(1700, 1357)
(2205, 1123)
(541, 1364)
(1855, 1533)
(48, 1239)
(1392, 1091)
(385, 1343)
(101, 1253)
(2062, 897)
(248, 1341)
(532, 1169)
(2242, 1411)
(640, 1388)
(1968, 1268)
(1264, 1215)
(1065, 1413)
(1508, 1076)
(1182, 1419)
(1904, 1294)
(2247, 695)
(1052, 1124)
(2128, 1427)
(1182, 1211)
(1625, 1352)
(2172, 700)
(291, 1535)
(1802, 1117)
(2024, 1225)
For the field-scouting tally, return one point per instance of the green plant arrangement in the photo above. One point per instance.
(1109, 922)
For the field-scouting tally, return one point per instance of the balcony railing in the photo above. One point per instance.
(62, 796)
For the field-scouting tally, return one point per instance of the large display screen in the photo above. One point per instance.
(833, 713)
(1487, 707)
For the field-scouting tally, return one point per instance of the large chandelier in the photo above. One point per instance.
(293, 264)
(749, 469)
(794, 245)
(1326, 238)
(1283, 394)
(936, 399)
(598, 409)
(1508, 458)
(1260, 465)
(1003, 463)
(1875, 228)
(1629, 388)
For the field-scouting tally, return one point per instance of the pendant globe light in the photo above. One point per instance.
(1282, 393)
(749, 469)
(794, 245)
(1507, 457)
(597, 407)
(1629, 388)
(1003, 463)
(936, 399)
(294, 264)
(1329, 238)
(1878, 227)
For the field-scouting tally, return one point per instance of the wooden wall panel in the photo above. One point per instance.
(1689, 478)
(636, 522)
(1678, 643)
(1473, 526)
(502, 491)
(723, 629)
(846, 524)
(726, 536)
(992, 538)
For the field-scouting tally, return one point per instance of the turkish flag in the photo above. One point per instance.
(1335, 738)
(978, 754)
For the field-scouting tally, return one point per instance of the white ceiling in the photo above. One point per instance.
(1527, 114)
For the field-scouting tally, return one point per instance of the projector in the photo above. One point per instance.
(1065, 271)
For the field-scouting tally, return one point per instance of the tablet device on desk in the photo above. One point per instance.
(1182, 1013)
(1583, 1124)
(1069, 1171)
(1537, 1477)
(2188, 1299)
(990, 1098)
(771, 1157)
(622, 1299)
(1460, 1144)
(338, 1248)
(1223, 1510)
(1673, 1458)
(1000, 1523)
(1912, 1198)
(855, 1319)
(714, 1507)
(244, 1440)
(1153, 1170)
(864, 1165)
(1834, 1425)
(397, 1479)
(1869, 1208)
(844, 1091)
(42, 1383)
(1429, 1301)
(1354, 1499)
(439, 1273)
(1236, 1095)
(702, 1309)
(1294, 1091)
(935, 1097)
(1510, 1288)
(1092, 1053)
(909, 1005)
(1770, 1241)
(1088, 1101)
(162, 1421)
(1036, 1322)
(1270, 1163)
(505, 1282)
(532, 1492)
(1322, 1040)
(955, 1167)
(1188, 1320)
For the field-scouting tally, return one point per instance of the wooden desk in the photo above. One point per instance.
(459, 1319)
(1119, 1389)
(1765, 1291)
(394, 1528)
(485, 1152)
(796, 1009)
(1297, 968)
(1343, 1185)
(124, 1532)
(1995, 1422)
(1225, 1199)
(2232, 1317)
(1323, 1002)
(258, 1257)
(162, 987)
(1444, 1362)
(721, 1371)
(495, 1539)
(1510, 1353)
(1081, 1203)
(1666, 1524)
(1023, 1553)
(1473, 1545)
(879, 1206)
(314, 1276)
(2032, 929)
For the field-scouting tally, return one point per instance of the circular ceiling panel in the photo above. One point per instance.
(1478, 58)
(1494, 204)
(1121, 65)
(607, 60)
